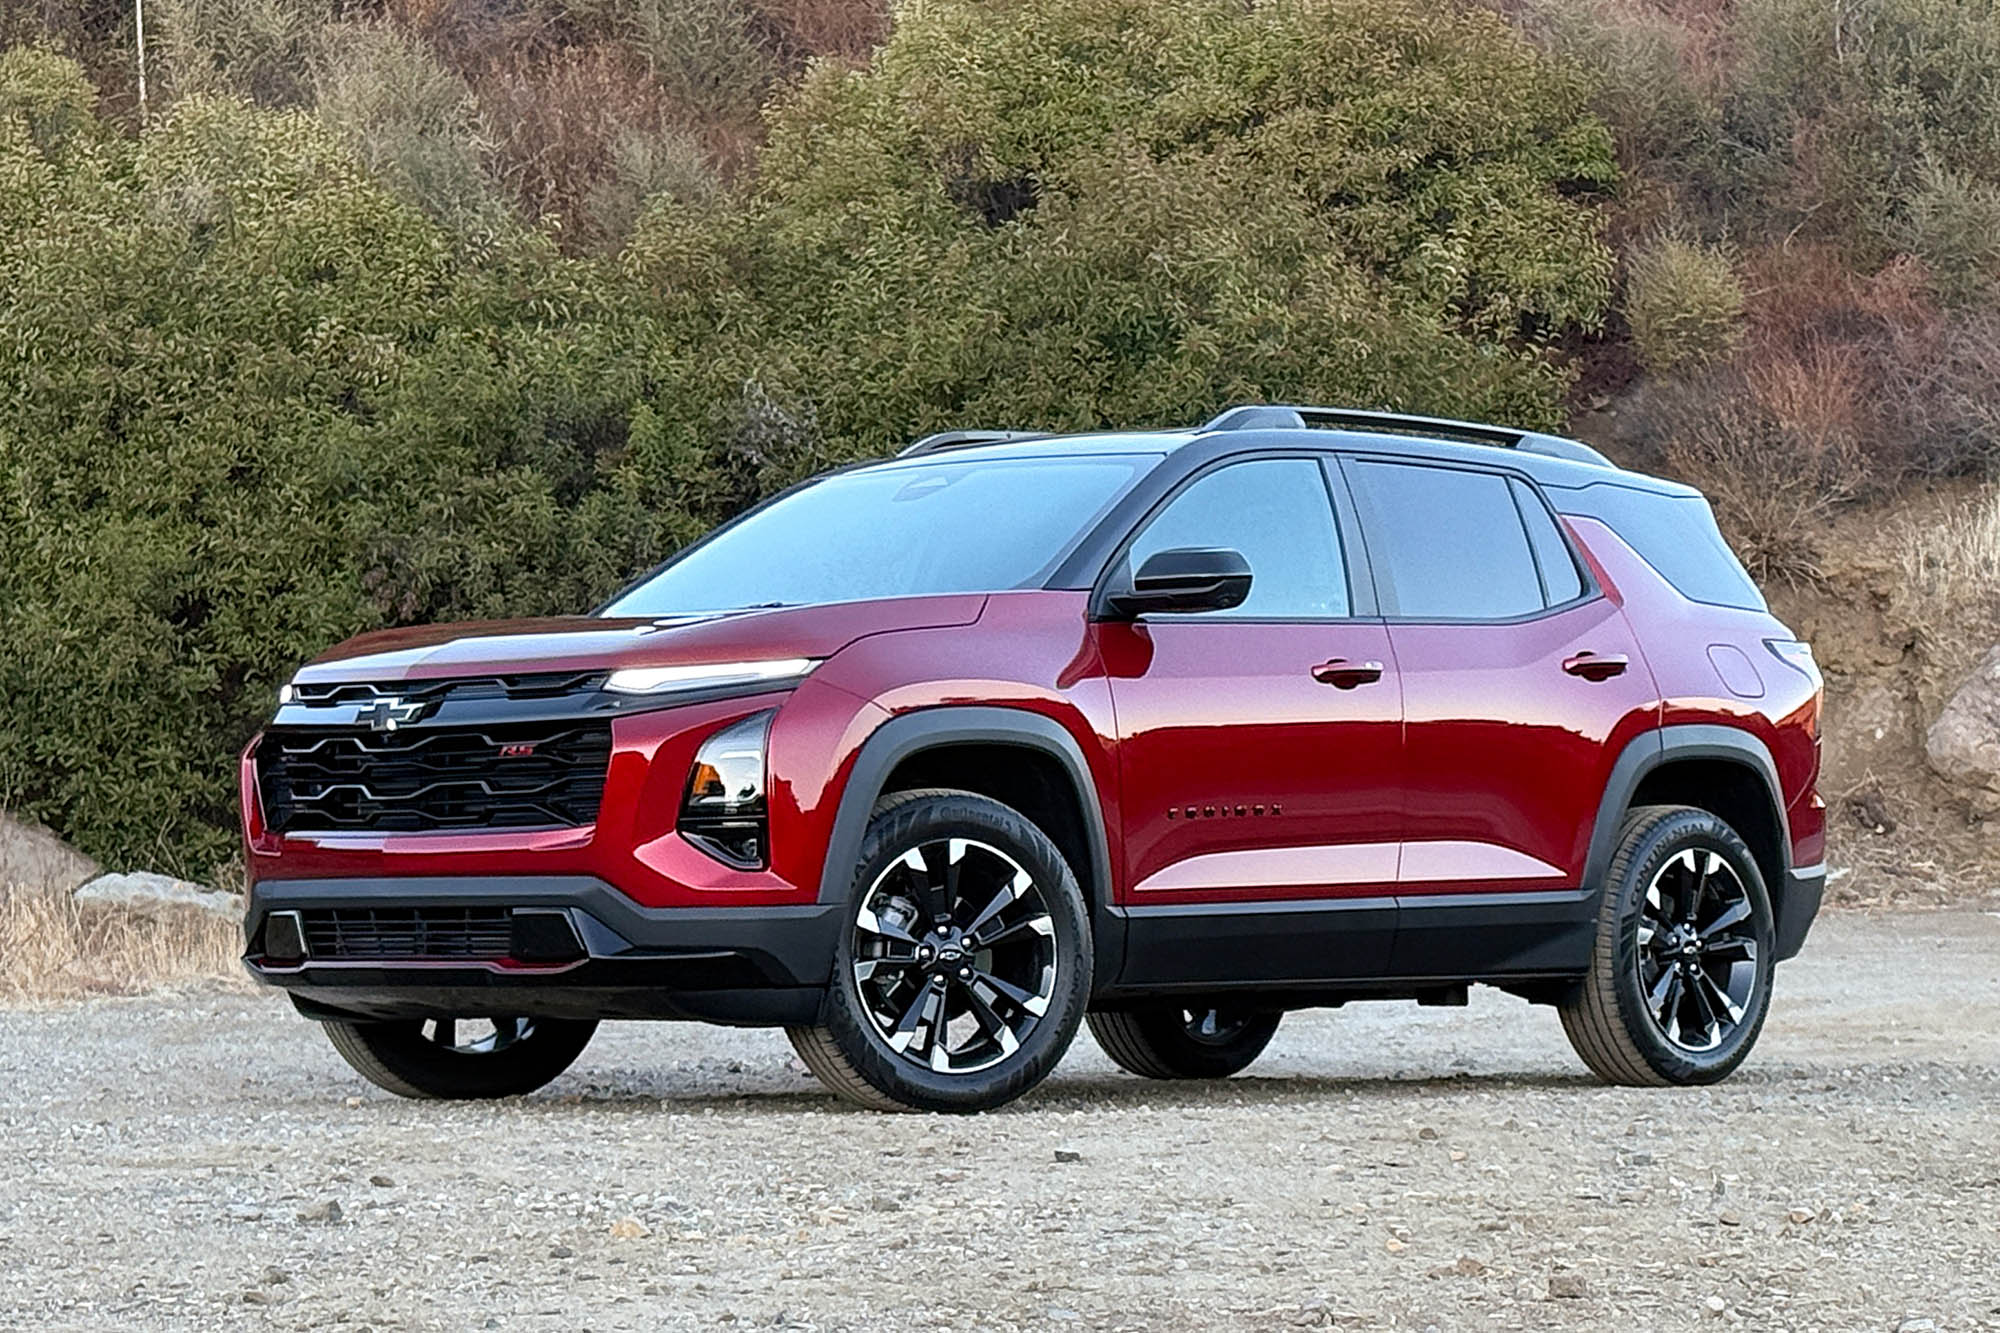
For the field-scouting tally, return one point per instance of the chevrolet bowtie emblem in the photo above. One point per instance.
(388, 714)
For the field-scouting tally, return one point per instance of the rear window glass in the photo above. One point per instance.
(1450, 543)
(1560, 580)
(1675, 534)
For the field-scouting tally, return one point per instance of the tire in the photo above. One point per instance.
(1670, 1000)
(885, 1042)
(1211, 1041)
(520, 1056)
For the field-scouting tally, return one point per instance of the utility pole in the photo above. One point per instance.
(139, 26)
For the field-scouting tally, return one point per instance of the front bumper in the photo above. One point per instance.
(613, 958)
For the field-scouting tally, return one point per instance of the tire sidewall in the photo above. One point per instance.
(891, 833)
(549, 1049)
(1657, 845)
(1166, 1032)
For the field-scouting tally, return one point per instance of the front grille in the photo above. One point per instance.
(409, 932)
(517, 775)
(537, 685)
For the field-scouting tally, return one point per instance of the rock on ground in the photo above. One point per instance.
(156, 897)
(32, 857)
(1964, 743)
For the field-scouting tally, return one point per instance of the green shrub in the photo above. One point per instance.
(260, 49)
(250, 405)
(1860, 101)
(253, 400)
(1061, 214)
(1952, 223)
(413, 123)
(1683, 302)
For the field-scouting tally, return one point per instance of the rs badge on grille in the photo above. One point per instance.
(516, 751)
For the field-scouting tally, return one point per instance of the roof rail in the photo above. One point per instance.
(946, 440)
(1282, 417)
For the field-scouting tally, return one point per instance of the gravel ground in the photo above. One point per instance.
(203, 1160)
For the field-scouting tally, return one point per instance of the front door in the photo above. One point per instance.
(1259, 748)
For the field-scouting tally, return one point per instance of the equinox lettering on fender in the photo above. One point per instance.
(1224, 811)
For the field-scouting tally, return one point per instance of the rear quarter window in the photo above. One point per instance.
(1675, 534)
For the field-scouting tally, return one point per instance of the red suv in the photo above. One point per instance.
(931, 760)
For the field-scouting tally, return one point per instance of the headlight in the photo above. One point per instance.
(706, 676)
(724, 812)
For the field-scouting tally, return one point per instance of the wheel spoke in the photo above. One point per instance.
(1009, 894)
(1715, 997)
(1022, 999)
(1727, 917)
(940, 862)
(1733, 947)
(905, 1030)
(874, 925)
(990, 1022)
(1656, 998)
(866, 968)
(1711, 1029)
(1039, 924)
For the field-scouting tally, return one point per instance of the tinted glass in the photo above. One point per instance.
(1275, 513)
(1676, 534)
(961, 526)
(1449, 545)
(1560, 580)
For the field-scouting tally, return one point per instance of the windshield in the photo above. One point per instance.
(966, 525)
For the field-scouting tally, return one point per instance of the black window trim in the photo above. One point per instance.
(1385, 586)
(1362, 605)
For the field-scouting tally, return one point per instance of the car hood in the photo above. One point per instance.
(587, 643)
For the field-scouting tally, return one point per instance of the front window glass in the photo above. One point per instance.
(1275, 513)
(962, 525)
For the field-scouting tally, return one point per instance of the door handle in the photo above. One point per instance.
(1345, 675)
(1592, 666)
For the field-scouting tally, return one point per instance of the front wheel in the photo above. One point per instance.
(457, 1058)
(964, 967)
(1185, 1041)
(1680, 974)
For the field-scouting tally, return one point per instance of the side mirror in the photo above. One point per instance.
(1185, 579)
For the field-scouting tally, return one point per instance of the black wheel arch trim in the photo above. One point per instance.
(907, 734)
(1664, 745)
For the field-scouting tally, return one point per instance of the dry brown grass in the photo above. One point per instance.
(52, 950)
(1950, 568)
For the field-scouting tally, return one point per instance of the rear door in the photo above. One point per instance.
(1259, 747)
(1521, 681)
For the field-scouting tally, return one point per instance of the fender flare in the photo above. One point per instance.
(1663, 745)
(911, 733)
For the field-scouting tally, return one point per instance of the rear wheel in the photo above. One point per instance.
(461, 1058)
(1680, 977)
(964, 969)
(1193, 1041)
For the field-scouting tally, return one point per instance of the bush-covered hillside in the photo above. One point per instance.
(419, 311)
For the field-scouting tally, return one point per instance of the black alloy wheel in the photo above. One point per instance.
(1680, 975)
(962, 973)
(461, 1058)
(1202, 1039)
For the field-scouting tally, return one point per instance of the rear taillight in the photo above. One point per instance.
(724, 811)
(1797, 654)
